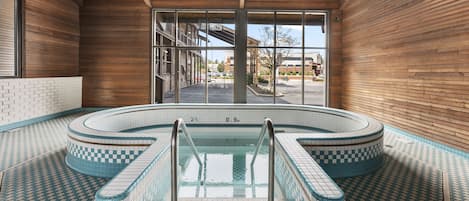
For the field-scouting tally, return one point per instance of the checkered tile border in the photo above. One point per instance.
(346, 154)
(103, 154)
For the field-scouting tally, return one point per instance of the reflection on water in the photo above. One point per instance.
(226, 173)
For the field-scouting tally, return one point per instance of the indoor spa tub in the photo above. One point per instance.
(131, 145)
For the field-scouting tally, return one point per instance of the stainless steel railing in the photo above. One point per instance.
(178, 126)
(266, 126)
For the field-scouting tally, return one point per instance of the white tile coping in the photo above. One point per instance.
(315, 179)
(122, 184)
(105, 126)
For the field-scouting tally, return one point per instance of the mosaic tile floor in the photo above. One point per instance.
(32, 161)
(22, 144)
(413, 171)
(33, 168)
(48, 178)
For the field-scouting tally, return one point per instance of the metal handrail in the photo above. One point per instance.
(179, 125)
(267, 126)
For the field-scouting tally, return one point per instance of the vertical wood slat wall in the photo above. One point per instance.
(406, 63)
(115, 52)
(52, 35)
(335, 59)
(7, 38)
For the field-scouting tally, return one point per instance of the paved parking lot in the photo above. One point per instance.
(221, 91)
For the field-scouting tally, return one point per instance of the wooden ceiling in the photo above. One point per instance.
(249, 4)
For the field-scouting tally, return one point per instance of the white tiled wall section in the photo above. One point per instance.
(26, 98)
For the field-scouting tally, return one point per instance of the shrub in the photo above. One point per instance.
(262, 80)
(250, 79)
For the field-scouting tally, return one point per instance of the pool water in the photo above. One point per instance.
(227, 172)
(226, 154)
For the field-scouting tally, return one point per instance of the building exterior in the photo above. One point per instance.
(291, 64)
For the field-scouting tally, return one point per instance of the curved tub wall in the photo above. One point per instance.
(98, 144)
(144, 116)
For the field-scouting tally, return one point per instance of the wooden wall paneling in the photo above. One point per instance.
(115, 52)
(406, 63)
(79, 2)
(335, 59)
(51, 35)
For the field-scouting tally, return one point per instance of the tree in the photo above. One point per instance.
(285, 39)
(221, 67)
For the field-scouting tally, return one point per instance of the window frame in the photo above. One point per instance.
(326, 48)
(177, 48)
(275, 47)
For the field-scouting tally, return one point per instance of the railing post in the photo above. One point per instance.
(179, 125)
(268, 127)
(174, 161)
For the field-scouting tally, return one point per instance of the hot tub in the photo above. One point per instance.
(310, 140)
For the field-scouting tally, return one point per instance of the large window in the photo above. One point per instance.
(197, 58)
(198, 67)
(9, 29)
(287, 57)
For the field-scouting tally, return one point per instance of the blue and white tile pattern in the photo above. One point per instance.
(346, 154)
(32, 159)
